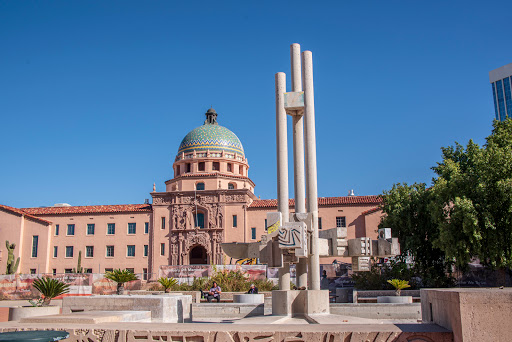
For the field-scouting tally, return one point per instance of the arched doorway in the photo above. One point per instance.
(198, 256)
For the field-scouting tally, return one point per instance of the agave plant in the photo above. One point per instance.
(49, 289)
(168, 283)
(399, 285)
(120, 277)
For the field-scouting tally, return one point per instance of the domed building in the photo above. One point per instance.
(206, 201)
(209, 200)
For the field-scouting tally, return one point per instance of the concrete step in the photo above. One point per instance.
(92, 317)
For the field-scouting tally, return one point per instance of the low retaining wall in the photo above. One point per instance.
(474, 315)
(164, 308)
(377, 311)
(226, 310)
(150, 332)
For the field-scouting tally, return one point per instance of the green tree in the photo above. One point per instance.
(472, 200)
(407, 213)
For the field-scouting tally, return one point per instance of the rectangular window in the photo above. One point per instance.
(230, 167)
(145, 274)
(89, 251)
(163, 223)
(501, 100)
(90, 229)
(108, 270)
(56, 230)
(69, 251)
(201, 166)
(131, 228)
(266, 227)
(253, 233)
(54, 271)
(32, 271)
(132, 270)
(508, 96)
(235, 223)
(162, 249)
(68, 270)
(111, 229)
(341, 222)
(319, 223)
(88, 270)
(495, 101)
(188, 167)
(216, 166)
(146, 250)
(130, 250)
(35, 243)
(110, 251)
(55, 251)
(71, 229)
(146, 227)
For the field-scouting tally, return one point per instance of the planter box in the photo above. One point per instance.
(394, 299)
(16, 313)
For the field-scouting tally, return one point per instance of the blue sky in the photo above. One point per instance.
(95, 96)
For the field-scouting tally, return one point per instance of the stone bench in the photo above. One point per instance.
(226, 310)
(164, 308)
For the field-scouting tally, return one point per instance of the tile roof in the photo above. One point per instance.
(89, 209)
(21, 212)
(322, 201)
(371, 211)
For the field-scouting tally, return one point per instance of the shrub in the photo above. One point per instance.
(168, 283)
(49, 289)
(120, 277)
(399, 285)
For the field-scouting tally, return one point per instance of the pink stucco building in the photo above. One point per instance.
(209, 200)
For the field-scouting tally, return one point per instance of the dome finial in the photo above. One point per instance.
(211, 116)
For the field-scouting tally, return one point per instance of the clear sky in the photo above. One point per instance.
(96, 96)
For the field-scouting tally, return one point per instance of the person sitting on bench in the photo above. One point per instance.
(214, 292)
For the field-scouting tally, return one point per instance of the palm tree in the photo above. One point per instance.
(50, 288)
(168, 283)
(120, 277)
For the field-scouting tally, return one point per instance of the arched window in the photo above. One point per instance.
(200, 186)
(231, 186)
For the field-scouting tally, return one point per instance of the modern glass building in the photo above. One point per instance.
(501, 80)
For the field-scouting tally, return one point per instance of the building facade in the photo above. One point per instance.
(209, 200)
(501, 81)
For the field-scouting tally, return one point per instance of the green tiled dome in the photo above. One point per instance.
(211, 137)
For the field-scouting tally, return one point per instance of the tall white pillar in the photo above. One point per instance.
(298, 159)
(311, 174)
(282, 167)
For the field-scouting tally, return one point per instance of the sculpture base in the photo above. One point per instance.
(300, 302)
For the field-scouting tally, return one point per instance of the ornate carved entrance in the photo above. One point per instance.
(198, 256)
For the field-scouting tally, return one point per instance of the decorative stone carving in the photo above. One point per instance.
(219, 334)
(235, 198)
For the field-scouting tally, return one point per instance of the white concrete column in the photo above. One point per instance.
(311, 174)
(282, 167)
(298, 158)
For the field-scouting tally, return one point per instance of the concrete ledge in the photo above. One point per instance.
(165, 308)
(150, 332)
(479, 314)
(93, 317)
(378, 311)
(19, 312)
(226, 310)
